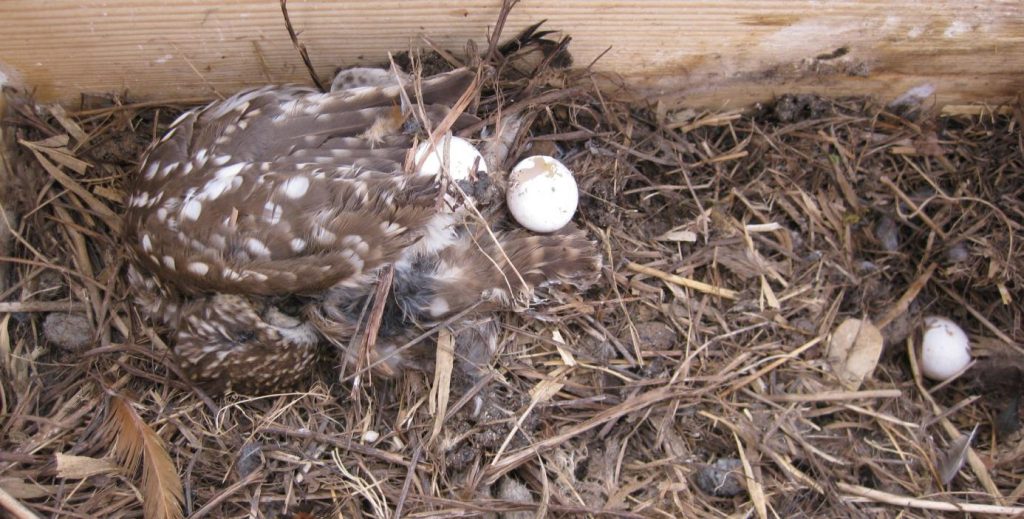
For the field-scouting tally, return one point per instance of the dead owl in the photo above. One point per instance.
(286, 197)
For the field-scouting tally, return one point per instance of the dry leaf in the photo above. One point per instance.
(57, 141)
(951, 461)
(678, 235)
(443, 365)
(566, 355)
(754, 487)
(60, 155)
(133, 442)
(769, 295)
(763, 227)
(80, 467)
(854, 351)
(68, 123)
(12, 364)
(547, 387)
(112, 219)
(682, 117)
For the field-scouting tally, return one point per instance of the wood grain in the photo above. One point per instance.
(715, 52)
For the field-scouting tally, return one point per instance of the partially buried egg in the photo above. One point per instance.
(542, 194)
(457, 153)
(945, 349)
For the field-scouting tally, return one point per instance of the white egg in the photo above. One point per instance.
(542, 194)
(945, 349)
(460, 155)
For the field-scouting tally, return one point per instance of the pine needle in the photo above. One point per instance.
(134, 443)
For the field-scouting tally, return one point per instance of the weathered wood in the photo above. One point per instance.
(712, 52)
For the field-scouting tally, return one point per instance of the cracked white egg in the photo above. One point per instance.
(945, 349)
(542, 194)
(457, 152)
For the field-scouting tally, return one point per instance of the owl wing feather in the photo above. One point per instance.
(474, 270)
(279, 191)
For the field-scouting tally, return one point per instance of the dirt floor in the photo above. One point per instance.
(702, 377)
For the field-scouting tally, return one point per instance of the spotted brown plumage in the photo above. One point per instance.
(462, 266)
(288, 196)
(275, 191)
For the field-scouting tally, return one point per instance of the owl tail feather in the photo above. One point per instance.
(462, 272)
(493, 271)
(529, 262)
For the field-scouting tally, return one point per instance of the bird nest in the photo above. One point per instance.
(694, 380)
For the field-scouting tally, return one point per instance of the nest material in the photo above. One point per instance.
(736, 243)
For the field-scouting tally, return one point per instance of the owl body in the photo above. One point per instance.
(276, 190)
(288, 194)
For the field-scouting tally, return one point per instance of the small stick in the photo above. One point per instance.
(188, 101)
(879, 416)
(445, 55)
(226, 493)
(416, 340)
(901, 305)
(633, 335)
(41, 306)
(684, 282)
(197, 72)
(410, 474)
(109, 217)
(981, 318)
(917, 210)
(17, 510)
(302, 48)
(578, 135)
(519, 106)
(912, 502)
(380, 299)
(976, 110)
(835, 396)
(472, 392)
(346, 444)
(604, 334)
(492, 47)
(632, 405)
(754, 488)
(767, 369)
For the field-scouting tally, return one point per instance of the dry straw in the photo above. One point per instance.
(735, 245)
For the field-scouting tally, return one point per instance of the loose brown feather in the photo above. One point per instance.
(133, 443)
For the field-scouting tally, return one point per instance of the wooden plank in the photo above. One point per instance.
(706, 52)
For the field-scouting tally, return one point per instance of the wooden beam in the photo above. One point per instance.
(715, 52)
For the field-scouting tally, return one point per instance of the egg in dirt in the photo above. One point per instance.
(542, 194)
(945, 349)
